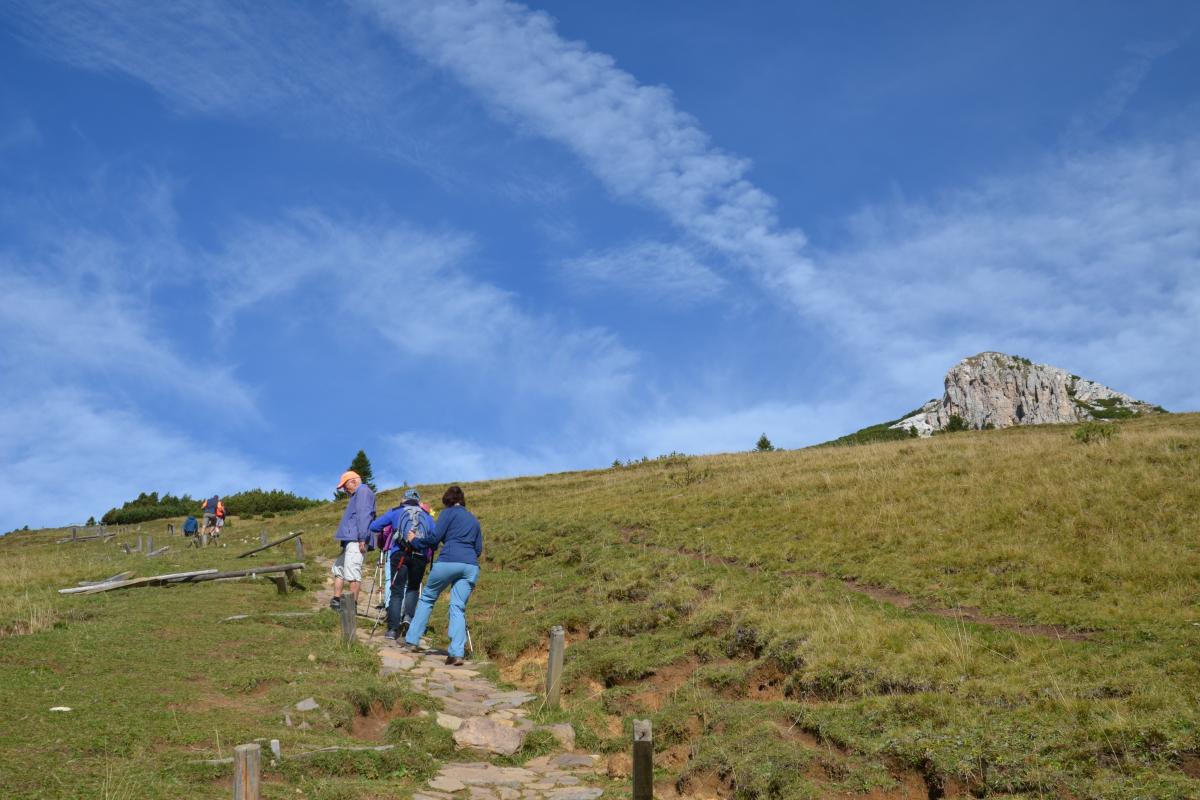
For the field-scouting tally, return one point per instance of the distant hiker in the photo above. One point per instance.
(457, 567)
(352, 534)
(190, 525)
(407, 564)
(210, 513)
(220, 517)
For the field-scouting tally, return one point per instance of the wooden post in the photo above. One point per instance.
(74, 533)
(280, 583)
(202, 539)
(149, 544)
(170, 529)
(262, 536)
(299, 548)
(349, 618)
(643, 760)
(247, 770)
(139, 547)
(555, 666)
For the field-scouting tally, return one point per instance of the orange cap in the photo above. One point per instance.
(347, 475)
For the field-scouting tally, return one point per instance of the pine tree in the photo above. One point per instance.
(91, 522)
(764, 444)
(362, 465)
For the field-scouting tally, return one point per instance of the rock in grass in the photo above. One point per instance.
(485, 734)
(449, 721)
(307, 704)
(564, 733)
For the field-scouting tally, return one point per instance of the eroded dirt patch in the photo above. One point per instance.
(372, 726)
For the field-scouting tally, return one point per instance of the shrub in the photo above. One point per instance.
(1090, 432)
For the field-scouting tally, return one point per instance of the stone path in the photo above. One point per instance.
(483, 718)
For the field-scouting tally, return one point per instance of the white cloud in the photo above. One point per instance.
(631, 136)
(657, 271)
(1090, 262)
(311, 71)
(69, 455)
(410, 289)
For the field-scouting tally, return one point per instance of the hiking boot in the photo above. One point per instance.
(390, 635)
(403, 628)
(454, 661)
(335, 603)
(412, 648)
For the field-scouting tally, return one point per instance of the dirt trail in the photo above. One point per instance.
(887, 595)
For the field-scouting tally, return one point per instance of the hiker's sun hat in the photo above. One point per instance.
(412, 494)
(347, 475)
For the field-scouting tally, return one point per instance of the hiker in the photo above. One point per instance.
(352, 534)
(407, 563)
(210, 514)
(457, 567)
(220, 517)
(190, 525)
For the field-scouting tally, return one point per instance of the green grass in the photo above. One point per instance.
(718, 607)
(873, 434)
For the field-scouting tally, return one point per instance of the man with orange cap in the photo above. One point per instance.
(352, 534)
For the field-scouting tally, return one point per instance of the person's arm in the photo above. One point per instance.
(387, 519)
(478, 540)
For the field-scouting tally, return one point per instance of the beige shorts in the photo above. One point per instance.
(348, 565)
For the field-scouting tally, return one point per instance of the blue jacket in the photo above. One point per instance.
(458, 533)
(401, 521)
(356, 519)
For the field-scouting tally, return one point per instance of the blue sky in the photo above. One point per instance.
(238, 242)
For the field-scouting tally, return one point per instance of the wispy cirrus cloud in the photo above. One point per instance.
(633, 137)
(426, 304)
(1091, 121)
(658, 271)
(311, 70)
(1089, 261)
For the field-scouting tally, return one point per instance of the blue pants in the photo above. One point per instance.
(461, 580)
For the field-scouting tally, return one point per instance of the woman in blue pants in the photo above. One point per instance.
(456, 567)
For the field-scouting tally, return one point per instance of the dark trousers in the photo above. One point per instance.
(408, 568)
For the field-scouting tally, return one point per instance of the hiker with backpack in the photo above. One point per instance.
(407, 564)
(210, 507)
(457, 568)
(190, 526)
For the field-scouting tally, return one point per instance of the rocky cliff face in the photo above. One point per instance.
(993, 390)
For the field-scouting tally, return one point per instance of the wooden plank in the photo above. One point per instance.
(159, 551)
(269, 545)
(147, 581)
(120, 576)
(245, 573)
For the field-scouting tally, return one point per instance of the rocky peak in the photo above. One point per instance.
(994, 390)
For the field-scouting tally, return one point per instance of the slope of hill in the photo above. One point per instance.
(1002, 613)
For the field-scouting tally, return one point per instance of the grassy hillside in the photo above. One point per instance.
(1003, 613)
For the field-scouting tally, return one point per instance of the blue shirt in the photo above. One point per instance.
(401, 521)
(356, 519)
(458, 533)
